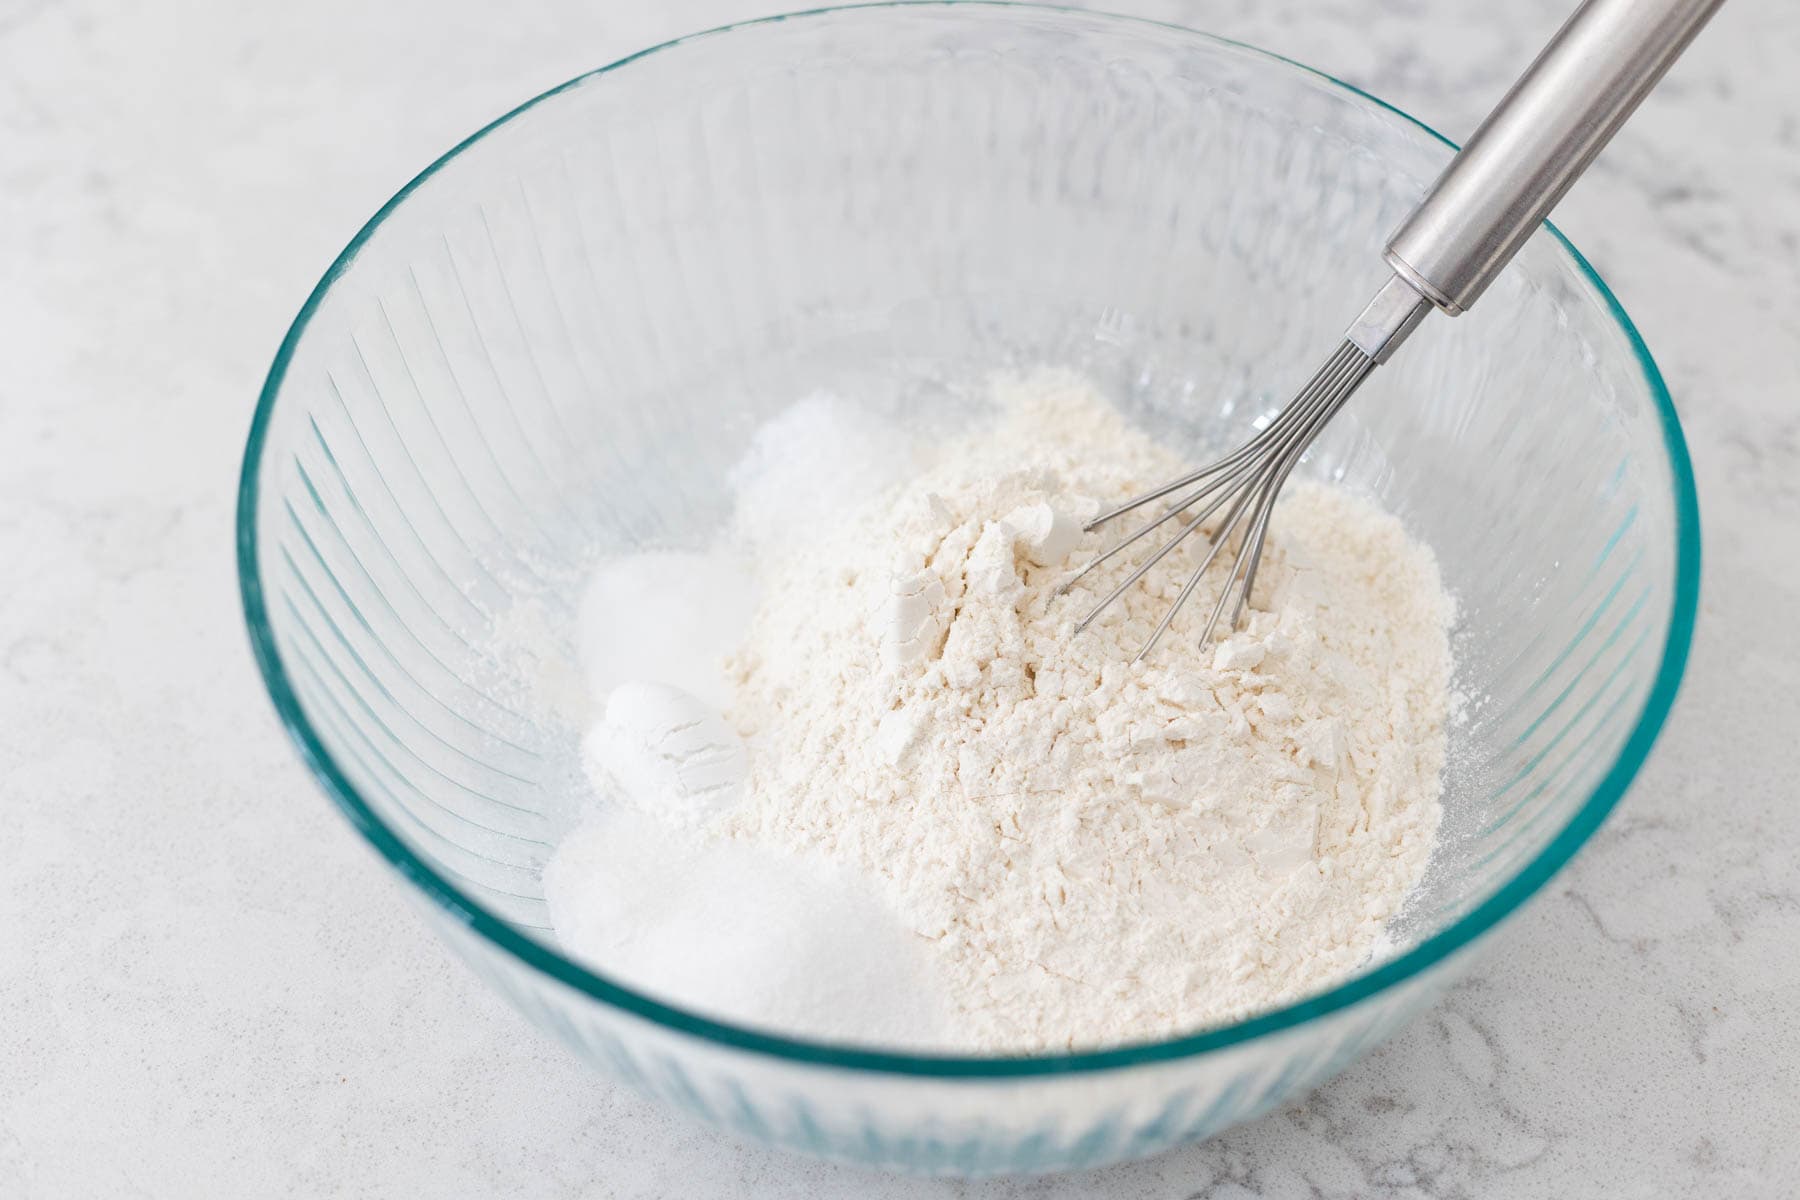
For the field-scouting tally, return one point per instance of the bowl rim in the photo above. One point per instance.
(542, 959)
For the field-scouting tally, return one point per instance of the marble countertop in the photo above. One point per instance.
(209, 987)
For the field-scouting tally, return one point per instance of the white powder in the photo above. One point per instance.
(1086, 851)
(742, 933)
(809, 463)
(667, 616)
(640, 891)
(666, 752)
(1098, 851)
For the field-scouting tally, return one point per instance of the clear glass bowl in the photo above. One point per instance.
(556, 339)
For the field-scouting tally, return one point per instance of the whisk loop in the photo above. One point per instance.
(1246, 482)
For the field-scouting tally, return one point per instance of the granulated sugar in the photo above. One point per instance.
(1086, 851)
(743, 933)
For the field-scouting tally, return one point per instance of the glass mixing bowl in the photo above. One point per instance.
(556, 340)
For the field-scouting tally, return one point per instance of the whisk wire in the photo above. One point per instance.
(1249, 479)
(1246, 467)
(1218, 541)
(1283, 422)
(1187, 527)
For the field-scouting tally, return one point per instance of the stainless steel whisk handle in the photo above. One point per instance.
(1540, 138)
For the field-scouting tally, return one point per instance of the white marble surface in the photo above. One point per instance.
(208, 987)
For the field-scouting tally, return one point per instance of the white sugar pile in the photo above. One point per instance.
(742, 933)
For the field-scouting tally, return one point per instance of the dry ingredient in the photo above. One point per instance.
(1087, 851)
(793, 944)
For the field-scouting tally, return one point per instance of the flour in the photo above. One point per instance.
(1038, 844)
(1097, 851)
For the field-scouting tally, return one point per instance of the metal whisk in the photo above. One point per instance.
(1488, 201)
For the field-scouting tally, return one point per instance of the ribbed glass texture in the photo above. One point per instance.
(554, 343)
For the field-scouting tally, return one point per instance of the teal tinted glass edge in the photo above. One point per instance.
(479, 919)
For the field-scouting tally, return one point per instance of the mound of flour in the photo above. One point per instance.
(1093, 851)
